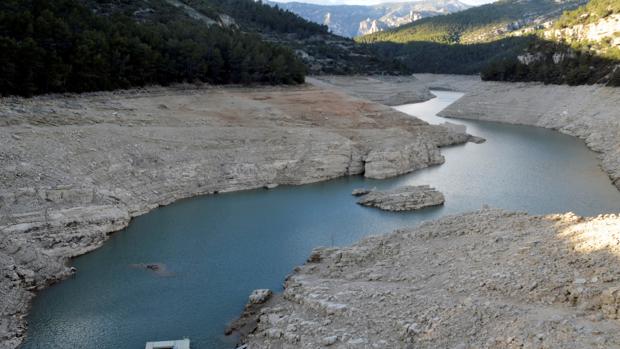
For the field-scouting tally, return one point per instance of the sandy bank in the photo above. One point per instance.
(76, 168)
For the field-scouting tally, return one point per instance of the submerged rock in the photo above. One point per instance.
(361, 191)
(403, 199)
(158, 268)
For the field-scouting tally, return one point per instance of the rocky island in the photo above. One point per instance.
(406, 198)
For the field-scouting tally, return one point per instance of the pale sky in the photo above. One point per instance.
(371, 2)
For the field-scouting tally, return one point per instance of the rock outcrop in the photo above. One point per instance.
(487, 279)
(77, 168)
(607, 28)
(406, 198)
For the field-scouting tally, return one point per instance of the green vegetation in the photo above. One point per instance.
(478, 41)
(560, 62)
(553, 63)
(475, 25)
(431, 57)
(464, 42)
(259, 17)
(63, 46)
(590, 13)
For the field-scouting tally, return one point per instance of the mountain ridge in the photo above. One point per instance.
(355, 20)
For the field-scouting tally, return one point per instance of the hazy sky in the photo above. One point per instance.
(372, 2)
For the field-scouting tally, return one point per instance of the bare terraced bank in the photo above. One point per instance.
(75, 168)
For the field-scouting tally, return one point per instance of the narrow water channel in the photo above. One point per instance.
(219, 248)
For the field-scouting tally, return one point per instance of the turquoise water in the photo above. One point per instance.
(219, 248)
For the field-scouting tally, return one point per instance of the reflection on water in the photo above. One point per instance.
(217, 249)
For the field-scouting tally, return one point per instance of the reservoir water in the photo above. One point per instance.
(219, 248)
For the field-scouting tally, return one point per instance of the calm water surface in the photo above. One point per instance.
(219, 248)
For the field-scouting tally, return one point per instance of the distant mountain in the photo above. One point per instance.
(353, 20)
(479, 24)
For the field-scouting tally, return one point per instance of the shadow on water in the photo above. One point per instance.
(217, 249)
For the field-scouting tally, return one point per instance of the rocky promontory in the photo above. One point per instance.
(487, 279)
(407, 198)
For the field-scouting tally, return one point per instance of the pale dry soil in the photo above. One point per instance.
(75, 168)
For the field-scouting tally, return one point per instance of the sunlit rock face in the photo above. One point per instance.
(350, 21)
(606, 29)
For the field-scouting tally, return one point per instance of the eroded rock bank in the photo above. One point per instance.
(487, 279)
(591, 113)
(76, 168)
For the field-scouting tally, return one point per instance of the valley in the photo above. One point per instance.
(184, 169)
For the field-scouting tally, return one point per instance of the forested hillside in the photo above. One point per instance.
(514, 40)
(476, 25)
(592, 12)
(61, 45)
(582, 47)
(89, 45)
(432, 57)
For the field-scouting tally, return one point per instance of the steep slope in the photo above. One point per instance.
(89, 45)
(467, 42)
(351, 21)
(478, 24)
(582, 47)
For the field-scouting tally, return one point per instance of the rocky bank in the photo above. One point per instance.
(76, 168)
(487, 279)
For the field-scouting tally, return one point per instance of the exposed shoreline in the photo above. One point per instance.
(112, 159)
(590, 113)
(77, 168)
(491, 278)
